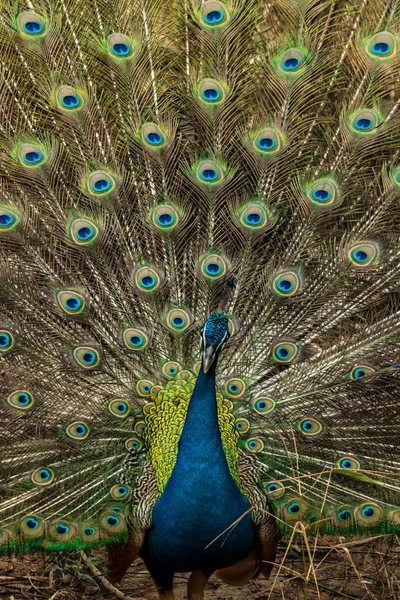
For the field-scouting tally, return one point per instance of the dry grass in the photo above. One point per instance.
(307, 568)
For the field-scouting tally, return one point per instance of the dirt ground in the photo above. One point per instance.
(339, 568)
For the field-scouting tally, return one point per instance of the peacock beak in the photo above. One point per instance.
(209, 355)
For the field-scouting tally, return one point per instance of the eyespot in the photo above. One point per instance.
(100, 183)
(69, 99)
(292, 61)
(294, 509)
(255, 444)
(170, 369)
(268, 141)
(140, 426)
(8, 219)
(363, 254)
(211, 92)
(83, 232)
(21, 399)
(213, 266)
(134, 444)
(7, 341)
(119, 408)
(234, 388)
(361, 371)
(147, 279)
(285, 352)
(78, 430)
(254, 217)
(112, 522)
(394, 516)
(275, 489)
(31, 24)
(214, 14)
(286, 283)
(86, 357)
(242, 425)
(209, 172)
(310, 426)
(42, 476)
(343, 516)
(349, 464)
(120, 46)
(365, 121)
(90, 532)
(395, 176)
(71, 302)
(381, 45)
(31, 155)
(135, 339)
(63, 531)
(312, 519)
(143, 387)
(263, 405)
(165, 217)
(178, 320)
(153, 137)
(120, 491)
(31, 526)
(323, 192)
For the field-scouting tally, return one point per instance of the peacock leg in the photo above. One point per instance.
(164, 583)
(122, 555)
(196, 585)
(269, 539)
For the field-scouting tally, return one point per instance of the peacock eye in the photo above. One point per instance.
(285, 352)
(134, 444)
(235, 388)
(31, 155)
(286, 283)
(143, 387)
(291, 62)
(120, 46)
(209, 172)
(119, 408)
(70, 302)
(147, 279)
(365, 121)
(86, 357)
(119, 491)
(364, 254)
(89, 531)
(100, 183)
(21, 399)
(361, 371)
(242, 425)
(31, 24)
(78, 430)
(6, 340)
(263, 405)
(42, 476)
(214, 14)
(381, 46)
(170, 369)
(310, 426)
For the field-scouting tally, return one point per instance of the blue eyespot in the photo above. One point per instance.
(253, 218)
(32, 523)
(380, 48)
(70, 101)
(135, 445)
(211, 94)
(345, 464)
(172, 371)
(261, 404)
(101, 185)
(122, 407)
(73, 303)
(80, 429)
(213, 268)
(85, 233)
(363, 124)
(266, 143)
(312, 519)
(291, 63)
(136, 340)
(89, 531)
(89, 358)
(252, 444)
(154, 138)
(44, 474)
(214, 17)
(148, 281)
(165, 219)
(62, 529)
(23, 399)
(5, 340)
(209, 174)
(307, 425)
(368, 511)
(6, 219)
(122, 490)
(272, 487)
(344, 515)
(360, 256)
(146, 389)
(359, 373)
(282, 352)
(33, 27)
(33, 157)
(117, 509)
(112, 520)
(294, 507)
(239, 425)
(284, 285)
(321, 195)
(121, 49)
(233, 388)
(178, 321)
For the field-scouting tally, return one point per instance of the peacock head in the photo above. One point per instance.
(215, 334)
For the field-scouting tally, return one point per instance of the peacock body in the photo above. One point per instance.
(199, 279)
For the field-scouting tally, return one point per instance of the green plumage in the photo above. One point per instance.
(153, 157)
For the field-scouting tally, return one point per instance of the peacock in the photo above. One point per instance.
(199, 280)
